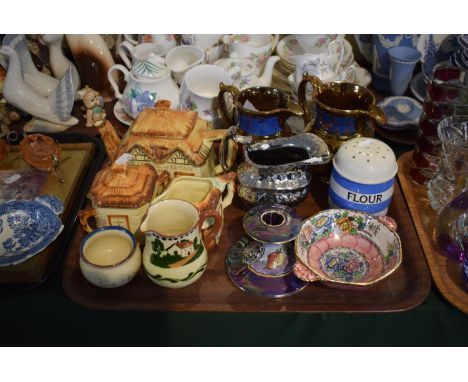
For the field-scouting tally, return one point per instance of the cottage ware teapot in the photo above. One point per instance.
(176, 252)
(177, 141)
(149, 81)
(243, 71)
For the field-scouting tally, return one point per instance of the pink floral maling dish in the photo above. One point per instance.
(347, 248)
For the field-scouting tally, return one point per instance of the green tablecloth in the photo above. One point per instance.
(45, 316)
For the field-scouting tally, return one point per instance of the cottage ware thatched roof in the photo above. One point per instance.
(127, 186)
(161, 131)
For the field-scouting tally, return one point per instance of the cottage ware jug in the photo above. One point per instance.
(149, 81)
(342, 110)
(176, 253)
(207, 194)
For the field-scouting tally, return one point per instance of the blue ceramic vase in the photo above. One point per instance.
(381, 59)
(403, 59)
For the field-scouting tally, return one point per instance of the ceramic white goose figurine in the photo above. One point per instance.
(56, 108)
(58, 62)
(40, 82)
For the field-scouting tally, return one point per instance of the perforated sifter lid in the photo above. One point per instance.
(366, 161)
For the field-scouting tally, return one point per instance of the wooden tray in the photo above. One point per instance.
(447, 274)
(404, 289)
(80, 161)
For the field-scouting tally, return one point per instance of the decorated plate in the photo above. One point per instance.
(348, 247)
(27, 227)
(401, 111)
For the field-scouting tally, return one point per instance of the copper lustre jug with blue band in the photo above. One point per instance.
(342, 110)
(261, 111)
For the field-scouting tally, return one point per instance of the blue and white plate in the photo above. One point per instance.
(418, 86)
(27, 227)
(401, 111)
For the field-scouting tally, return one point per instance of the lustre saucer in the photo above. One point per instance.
(401, 111)
(121, 115)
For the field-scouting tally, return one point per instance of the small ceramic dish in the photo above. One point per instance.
(121, 115)
(401, 111)
(40, 151)
(110, 257)
(347, 248)
(27, 227)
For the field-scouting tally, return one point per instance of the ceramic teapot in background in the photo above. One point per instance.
(256, 47)
(149, 81)
(244, 73)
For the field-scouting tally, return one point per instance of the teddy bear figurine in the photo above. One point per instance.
(94, 106)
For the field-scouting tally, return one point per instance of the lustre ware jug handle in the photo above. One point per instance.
(112, 81)
(223, 89)
(209, 234)
(375, 113)
(317, 85)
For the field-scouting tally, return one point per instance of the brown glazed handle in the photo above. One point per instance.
(316, 84)
(229, 146)
(84, 216)
(209, 234)
(223, 89)
(375, 113)
(162, 182)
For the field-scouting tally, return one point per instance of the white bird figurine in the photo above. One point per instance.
(42, 83)
(58, 62)
(56, 108)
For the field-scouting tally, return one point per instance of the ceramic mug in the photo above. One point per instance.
(176, 249)
(199, 91)
(133, 54)
(182, 58)
(109, 257)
